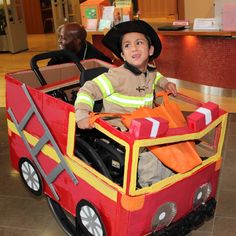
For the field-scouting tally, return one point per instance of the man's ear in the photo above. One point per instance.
(151, 50)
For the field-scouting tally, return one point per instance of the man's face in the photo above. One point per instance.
(67, 40)
(135, 50)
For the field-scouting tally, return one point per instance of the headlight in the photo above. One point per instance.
(164, 215)
(202, 194)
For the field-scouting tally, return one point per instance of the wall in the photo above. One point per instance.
(219, 10)
(33, 17)
(158, 9)
(198, 9)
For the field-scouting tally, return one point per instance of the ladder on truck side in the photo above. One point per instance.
(61, 166)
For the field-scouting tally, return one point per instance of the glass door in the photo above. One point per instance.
(13, 33)
(60, 12)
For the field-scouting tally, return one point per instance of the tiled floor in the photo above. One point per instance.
(23, 214)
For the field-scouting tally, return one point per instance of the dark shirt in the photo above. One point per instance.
(87, 52)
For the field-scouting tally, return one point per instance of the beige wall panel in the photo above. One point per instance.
(157, 8)
(198, 9)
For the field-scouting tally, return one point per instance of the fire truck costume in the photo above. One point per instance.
(125, 89)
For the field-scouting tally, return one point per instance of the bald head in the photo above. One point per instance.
(71, 36)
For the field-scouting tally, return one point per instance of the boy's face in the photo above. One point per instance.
(136, 51)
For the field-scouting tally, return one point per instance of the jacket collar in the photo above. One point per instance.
(135, 70)
(82, 54)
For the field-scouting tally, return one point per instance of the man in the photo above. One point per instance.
(72, 37)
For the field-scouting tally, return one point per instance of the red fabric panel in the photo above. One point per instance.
(204, 60)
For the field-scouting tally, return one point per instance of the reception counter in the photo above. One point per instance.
(191, 32)
(203, 57)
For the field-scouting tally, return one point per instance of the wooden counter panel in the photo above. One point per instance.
(204, 60)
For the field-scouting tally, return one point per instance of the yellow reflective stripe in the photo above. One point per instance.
(149, 100)
(130, 101)
(104, 84)
(84, 98)
(158, 76)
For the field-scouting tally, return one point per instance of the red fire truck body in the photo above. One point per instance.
(42, 131)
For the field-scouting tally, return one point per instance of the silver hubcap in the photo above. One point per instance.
(30, 176)
(91, 221)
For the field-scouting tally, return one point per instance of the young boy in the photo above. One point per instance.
(128, 87)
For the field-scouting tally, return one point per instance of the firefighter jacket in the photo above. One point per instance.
(123, 90)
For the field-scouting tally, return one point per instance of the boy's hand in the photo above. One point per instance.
(171, 87)
(84, 124)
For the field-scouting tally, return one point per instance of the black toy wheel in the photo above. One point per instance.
(89, 220)
(30, 176)
(64, 219)
(87, 153)
(59, 93)
(113, 159)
